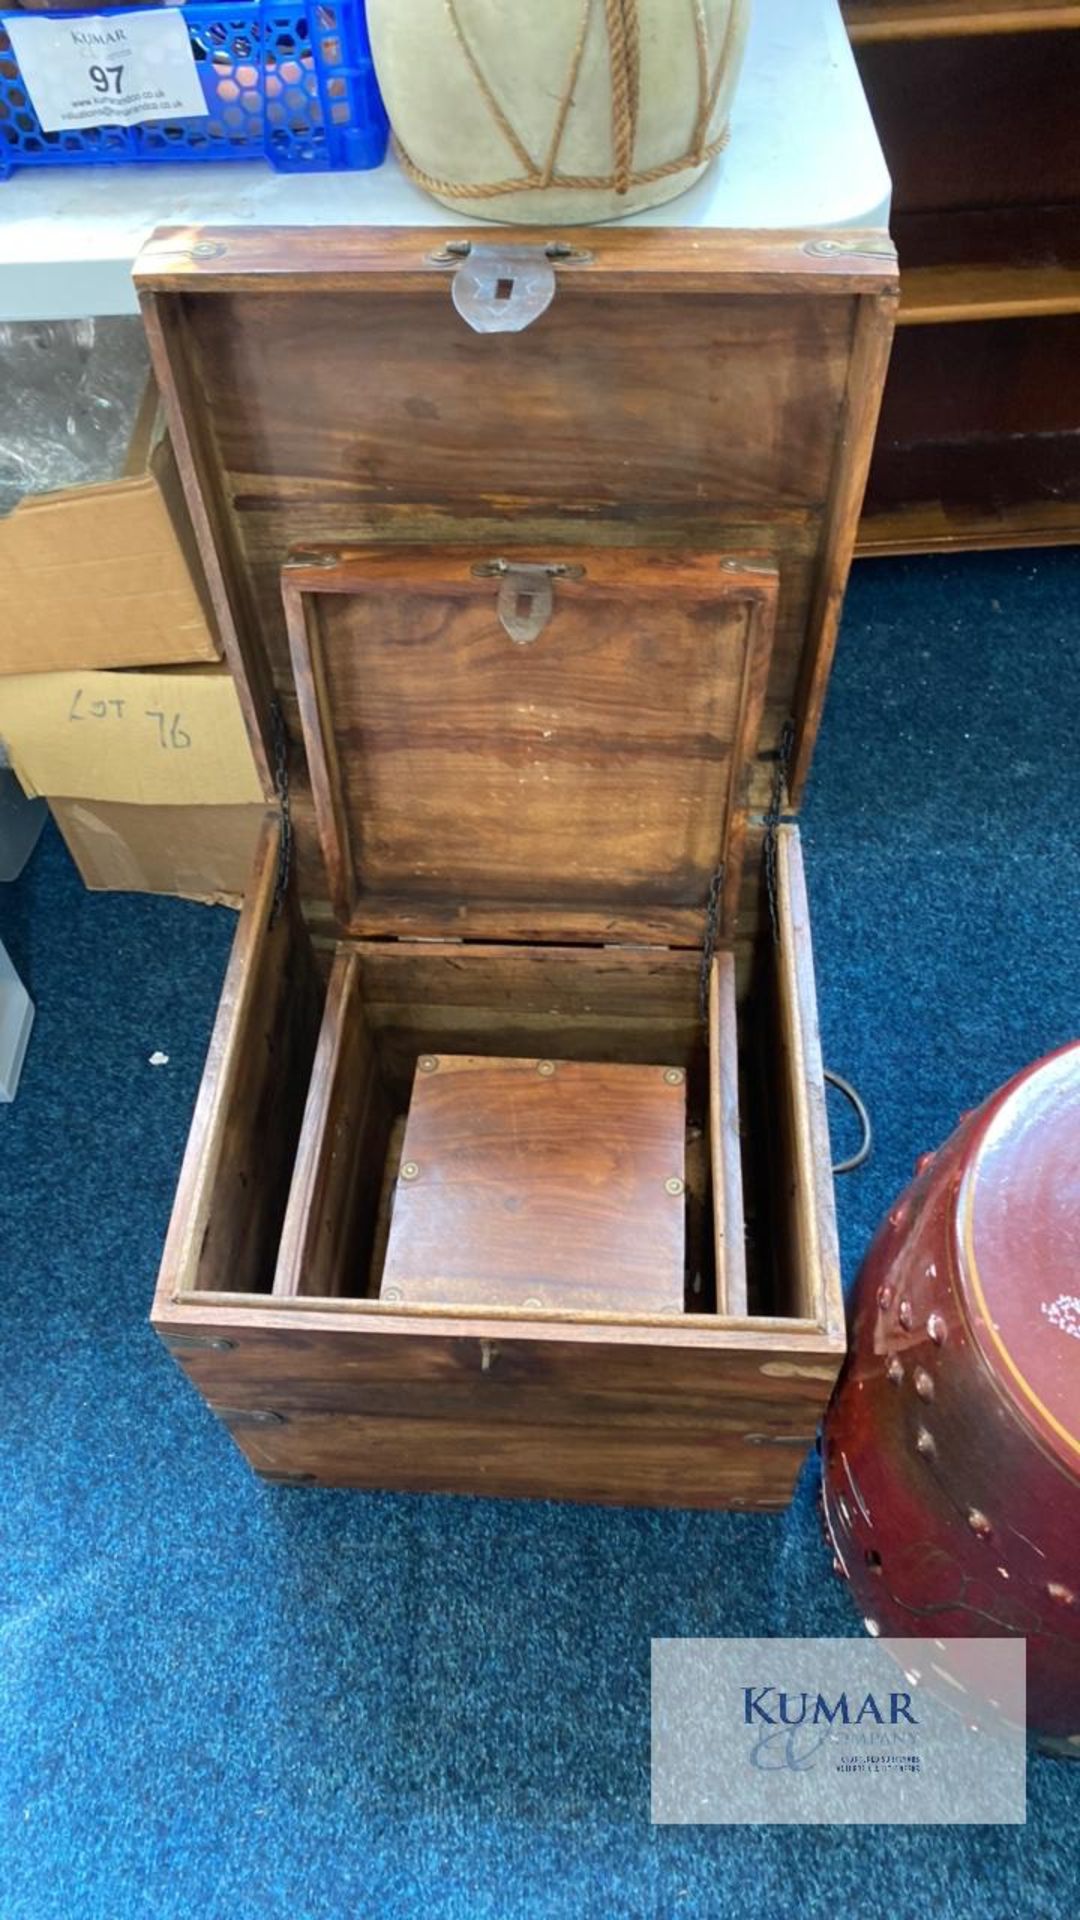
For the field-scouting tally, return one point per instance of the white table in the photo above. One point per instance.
(803, 154)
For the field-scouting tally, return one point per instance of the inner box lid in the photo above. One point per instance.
(541, 1183)
(546, 746)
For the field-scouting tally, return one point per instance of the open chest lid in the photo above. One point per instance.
(684, 392)
(551, 746)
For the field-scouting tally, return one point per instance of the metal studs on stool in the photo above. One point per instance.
(951, 1447)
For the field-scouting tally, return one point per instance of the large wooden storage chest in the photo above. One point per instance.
(532, 628)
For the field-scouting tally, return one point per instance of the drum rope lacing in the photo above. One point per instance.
(624, 41)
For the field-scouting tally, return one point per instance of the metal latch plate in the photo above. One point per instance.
(526, 594)
(503, 289)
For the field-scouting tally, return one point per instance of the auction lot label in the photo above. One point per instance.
(107, 70)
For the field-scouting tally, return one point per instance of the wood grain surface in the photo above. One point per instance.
(415, 259)
(806, 1156)
(975, 105)
(615, 1415)
(562, 784)
(330, 1219)
(540, 1183)
(562, 1003)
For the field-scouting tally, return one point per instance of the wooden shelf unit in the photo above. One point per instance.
(975, 106)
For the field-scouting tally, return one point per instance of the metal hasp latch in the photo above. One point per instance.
(504, 289)
(526, 594)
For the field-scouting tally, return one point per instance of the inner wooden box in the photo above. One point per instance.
(268, 1294)
(565, 745)
(585, 1177)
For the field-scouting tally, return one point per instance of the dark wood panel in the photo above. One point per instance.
(521, 982)
(978, 420)
(395, 915)
(931, 528)
(988, 263)
(330, 1220)
(977, 121)
(707, 1467)
(402, 402)
(1039, 235)
(227, 587)
(234, 1183)
(560, 1003)
(750, 918)
(694, 1423)
(856, 427)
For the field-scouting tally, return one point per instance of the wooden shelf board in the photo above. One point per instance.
(878, 20)
(990, 263)
(933, 296)
(926, 527)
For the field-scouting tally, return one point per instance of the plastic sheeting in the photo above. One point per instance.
(69, 393)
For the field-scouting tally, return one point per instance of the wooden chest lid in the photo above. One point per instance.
(551, 746)
(689, 391)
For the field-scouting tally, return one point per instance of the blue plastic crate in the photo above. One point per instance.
(294, 85)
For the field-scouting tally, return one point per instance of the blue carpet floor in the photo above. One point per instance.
(239, 1703)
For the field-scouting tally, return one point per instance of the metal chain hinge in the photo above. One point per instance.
(773, 818)
(712, 931)
(281, 788)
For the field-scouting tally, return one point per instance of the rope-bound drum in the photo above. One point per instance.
(557, 110)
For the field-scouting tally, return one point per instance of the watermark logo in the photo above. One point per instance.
(805, 1731)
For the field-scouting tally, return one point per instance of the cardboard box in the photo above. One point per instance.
(149, 775)
(146, 739)
(197, 853)
(107, 575)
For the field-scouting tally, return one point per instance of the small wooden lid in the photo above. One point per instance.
(530, 746)
(541, 1183)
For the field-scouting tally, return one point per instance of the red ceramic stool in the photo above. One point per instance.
(951, 1448)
